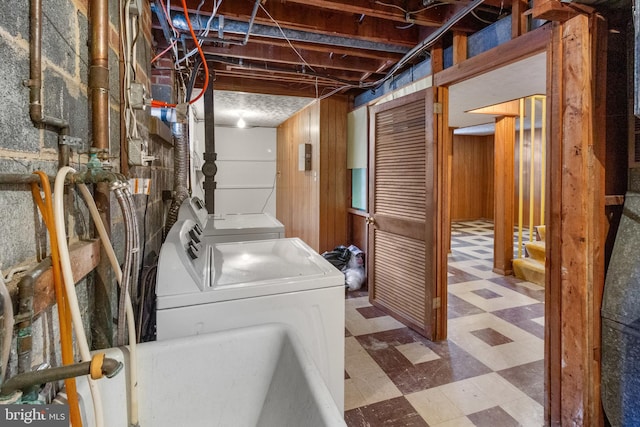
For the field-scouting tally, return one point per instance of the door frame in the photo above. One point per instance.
(575, 244)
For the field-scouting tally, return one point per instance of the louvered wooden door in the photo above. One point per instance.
(401, 208)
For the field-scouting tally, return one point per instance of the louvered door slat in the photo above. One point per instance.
(399, 177)
(400, 274)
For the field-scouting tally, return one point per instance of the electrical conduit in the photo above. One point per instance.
(125, 282)
(108, 248)
(135, 250)
(180, 172)
(69, 283)
(64, 315)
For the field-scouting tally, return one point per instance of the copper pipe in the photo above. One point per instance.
(99, 72)
(35, 73)
(99, 98)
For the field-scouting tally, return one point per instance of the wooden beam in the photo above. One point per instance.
(512, 51)
(518, 18)
(286, 55)
(555, 10)
(509, 108)
(617, 200)
(575, 230)
(328, 22)
(505, 138)
(437, 58)
(84, 257)
(430, 17)
(459, 47)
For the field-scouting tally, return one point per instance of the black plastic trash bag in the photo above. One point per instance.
(338, 257)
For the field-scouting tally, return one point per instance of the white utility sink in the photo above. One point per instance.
(254, 376)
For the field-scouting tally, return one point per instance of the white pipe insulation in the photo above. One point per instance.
(69, 284)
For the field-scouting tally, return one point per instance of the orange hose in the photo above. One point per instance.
(64, 316)
(204, 61)
(155, 103)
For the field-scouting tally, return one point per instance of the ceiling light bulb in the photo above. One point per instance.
(241, 123)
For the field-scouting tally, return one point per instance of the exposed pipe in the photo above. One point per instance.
(256, 6)
(99, 72)
(430, 40)
(111, 255)
(15, 178)
(64, 315)
(69, 283)
(209, 169)
(99, 98)
(135, 249)
(25, 381)
(239, 27)
(35, 73)
(126, 270)
(180, 179)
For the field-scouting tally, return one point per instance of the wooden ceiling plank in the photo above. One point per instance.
(327, 22)
(285, 55)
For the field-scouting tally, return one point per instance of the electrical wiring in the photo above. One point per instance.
(167, 49)
(475, 15)
(425, 44)
(286, 38)
(204, 63)
(127, 22)
(409, 12)
(207, 28)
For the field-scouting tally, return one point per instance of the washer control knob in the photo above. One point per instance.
(192, 252)
(197, 228)
(194, 235)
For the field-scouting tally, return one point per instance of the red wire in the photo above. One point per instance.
(155, 103)
(204, 61)
(155, 58)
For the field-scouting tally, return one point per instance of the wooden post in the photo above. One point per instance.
(437, 58)
(575, 261)
(518, 18)
(444, 152)
(505, 137)
(459, 47)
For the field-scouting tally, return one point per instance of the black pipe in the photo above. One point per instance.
(27, 380)
(209, 168)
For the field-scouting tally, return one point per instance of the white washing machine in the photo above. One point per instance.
(206, 286)
(231, 227)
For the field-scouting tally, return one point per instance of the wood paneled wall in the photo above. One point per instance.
(472, 177)
(312, 205)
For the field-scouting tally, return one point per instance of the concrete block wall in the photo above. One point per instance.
(25, 148)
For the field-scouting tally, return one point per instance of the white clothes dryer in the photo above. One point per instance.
(206, 286)
(231, 227)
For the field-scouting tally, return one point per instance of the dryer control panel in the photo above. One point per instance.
(186, 260)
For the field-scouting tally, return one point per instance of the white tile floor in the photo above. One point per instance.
(394, 377)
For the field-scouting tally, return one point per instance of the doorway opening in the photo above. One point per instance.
(497, 207)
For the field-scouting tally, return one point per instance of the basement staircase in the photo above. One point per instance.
(531, 268)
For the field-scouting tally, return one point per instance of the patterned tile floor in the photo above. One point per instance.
(488, 373)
